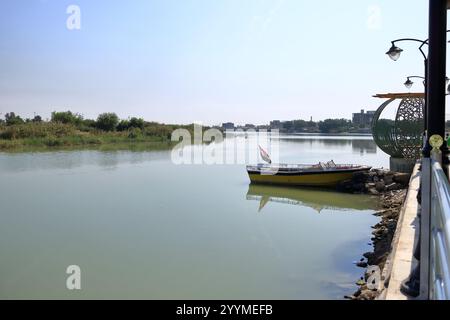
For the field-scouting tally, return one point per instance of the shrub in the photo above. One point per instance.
(132, 123)
(107, 121)
(7, 134)
(134, 133)
(123, 125)
(37, 118)
(11, 119)
(136, 123)
(158, 130)
(37, 130)
(67, 117)
(87, 125)
(52, 142)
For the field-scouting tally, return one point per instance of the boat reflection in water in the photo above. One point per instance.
(314, 198)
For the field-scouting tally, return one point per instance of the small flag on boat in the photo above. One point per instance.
(264, 155)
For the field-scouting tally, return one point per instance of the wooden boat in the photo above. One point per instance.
(319, 175)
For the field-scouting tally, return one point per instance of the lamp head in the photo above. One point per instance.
(408, 84)
(394, 52)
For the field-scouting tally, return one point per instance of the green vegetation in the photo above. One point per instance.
(107, 121)
(299, 126)
(335, 126)
(325, 126)
(71, 130)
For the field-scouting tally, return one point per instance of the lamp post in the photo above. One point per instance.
(411, 286)
(437, 51)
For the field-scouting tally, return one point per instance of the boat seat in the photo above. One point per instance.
(331, 164)
(323, 166)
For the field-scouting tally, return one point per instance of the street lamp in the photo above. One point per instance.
(394, 52)
(408, 83)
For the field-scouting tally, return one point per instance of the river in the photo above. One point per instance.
(141, 227)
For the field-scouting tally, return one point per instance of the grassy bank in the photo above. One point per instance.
(48, 135)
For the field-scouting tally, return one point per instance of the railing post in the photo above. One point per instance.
(425, 228)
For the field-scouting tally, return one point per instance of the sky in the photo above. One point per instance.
(208, 61)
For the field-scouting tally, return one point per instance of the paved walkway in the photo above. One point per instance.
(406, 236)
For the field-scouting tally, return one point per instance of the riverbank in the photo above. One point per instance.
(74, 142)
(391, 188)
(52, 136)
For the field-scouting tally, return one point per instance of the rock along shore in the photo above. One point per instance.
(391, 187)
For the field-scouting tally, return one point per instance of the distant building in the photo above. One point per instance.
(363, 118)
(228, 126)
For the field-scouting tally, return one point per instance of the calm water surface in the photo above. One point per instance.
(142, 227)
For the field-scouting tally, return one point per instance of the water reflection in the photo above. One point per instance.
(364, 146)
(67, 160)
(313, 198)
(358, 145)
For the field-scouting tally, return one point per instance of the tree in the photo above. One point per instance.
(37, 118)
(89, 123)
(299, 125)
(107, 121)
(334, 125)
(123, 125)
(287, 125)
(67, 117)
(137, 123)
(12, 119)
(132, 123)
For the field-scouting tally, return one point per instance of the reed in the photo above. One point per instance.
(49, 135)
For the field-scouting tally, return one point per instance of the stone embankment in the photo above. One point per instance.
(375, 182)
(391, 187)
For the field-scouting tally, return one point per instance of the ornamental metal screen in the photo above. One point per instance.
(402, 137)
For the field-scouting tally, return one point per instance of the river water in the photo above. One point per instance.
(139, 226)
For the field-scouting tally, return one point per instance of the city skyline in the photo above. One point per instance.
(220, 123)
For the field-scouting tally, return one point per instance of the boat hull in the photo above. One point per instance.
(310, 179)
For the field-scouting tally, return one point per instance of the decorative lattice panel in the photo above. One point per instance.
(409, 127)
(402, 137)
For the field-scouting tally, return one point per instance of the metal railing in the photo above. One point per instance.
(439, 254)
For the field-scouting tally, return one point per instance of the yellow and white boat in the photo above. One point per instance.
(320, 175)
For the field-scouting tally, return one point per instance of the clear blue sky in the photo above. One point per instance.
(179, 61)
